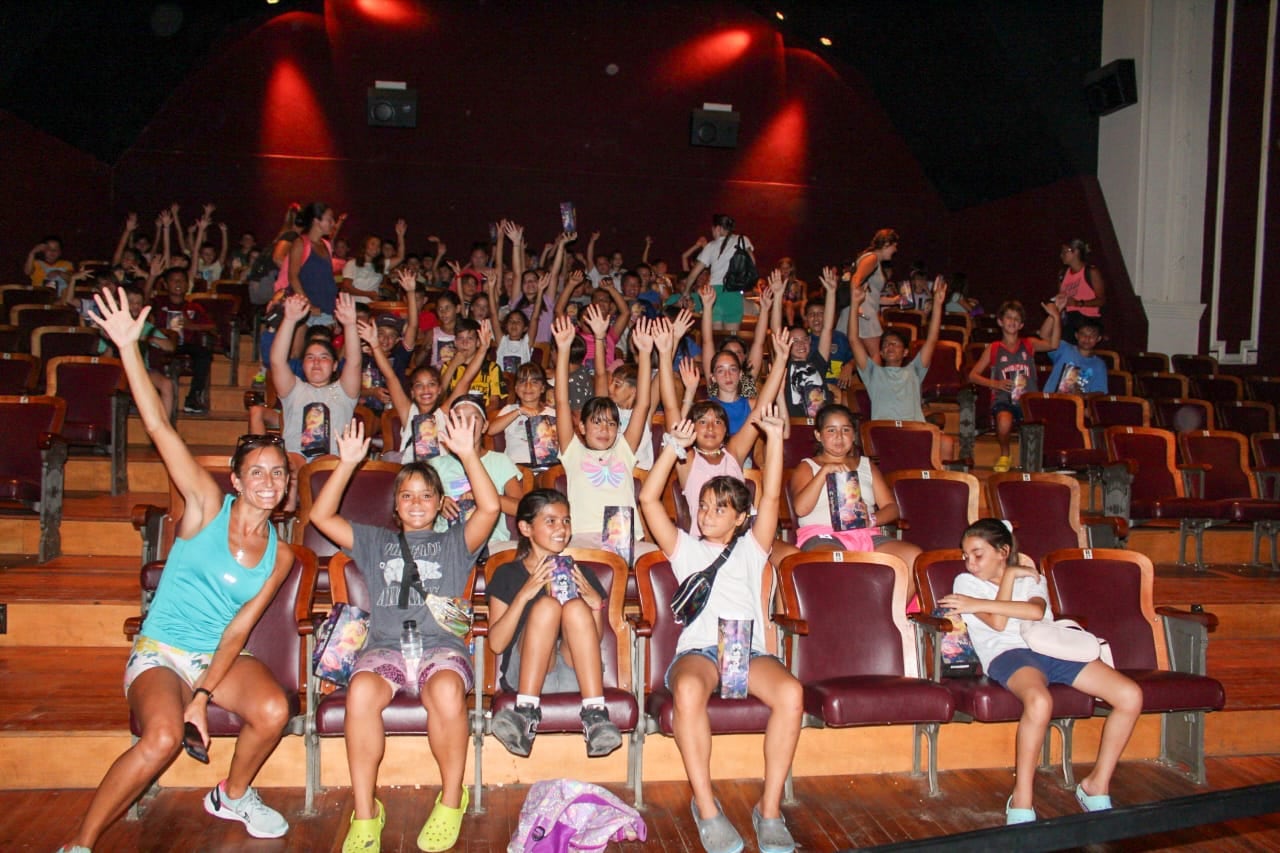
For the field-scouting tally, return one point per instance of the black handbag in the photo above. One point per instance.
(691, 596)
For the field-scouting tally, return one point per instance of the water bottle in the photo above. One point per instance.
(411, 648)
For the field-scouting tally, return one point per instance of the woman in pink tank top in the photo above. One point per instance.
(1081, 290)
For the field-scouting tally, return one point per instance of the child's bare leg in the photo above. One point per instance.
(1029, 685)
(365, 738)
(444, 695)
(693, 678)
(581, 646)
(541, 629)
(769, 681)
(1004, 427)
(1125, 698)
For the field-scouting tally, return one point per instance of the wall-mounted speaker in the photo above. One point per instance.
(1111, 87)
(714, 128)
(392, 107)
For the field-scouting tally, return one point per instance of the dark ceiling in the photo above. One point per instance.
(986, 93)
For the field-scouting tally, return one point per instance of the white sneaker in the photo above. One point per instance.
(258, 818)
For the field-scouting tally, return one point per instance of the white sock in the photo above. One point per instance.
(531, 701)
(593, 702)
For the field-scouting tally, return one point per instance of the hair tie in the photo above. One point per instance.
(1008, 525)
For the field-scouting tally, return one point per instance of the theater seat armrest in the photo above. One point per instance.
(305, 606)
(142, 514)
(933, 624)
(49, 440)
(1208, 620)
(132, 626)
(792, 625)
(901, 523)
(1118, 525)
(640, 625)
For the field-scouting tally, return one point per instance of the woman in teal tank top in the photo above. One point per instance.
(222, 573)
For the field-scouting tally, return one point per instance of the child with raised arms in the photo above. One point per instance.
(441, 565)
(742, 583)
(996, 596)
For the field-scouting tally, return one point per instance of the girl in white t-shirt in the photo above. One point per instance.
(994, 599)
(513, 348)
(530, 387)
(598, 457)
(741, 587)
(424, 398)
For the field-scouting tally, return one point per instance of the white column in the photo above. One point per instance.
(1153, 158)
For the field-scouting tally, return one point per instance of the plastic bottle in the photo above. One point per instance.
(411, 648)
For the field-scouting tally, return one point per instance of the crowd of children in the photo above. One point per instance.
(569, 382)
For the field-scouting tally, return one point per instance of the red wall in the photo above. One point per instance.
(517, 114)
(50, 188)
(1009, 249)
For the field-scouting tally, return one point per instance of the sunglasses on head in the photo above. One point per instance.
(249, 441)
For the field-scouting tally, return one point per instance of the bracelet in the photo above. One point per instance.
(207, 692)
(669, 441)
(601, 607)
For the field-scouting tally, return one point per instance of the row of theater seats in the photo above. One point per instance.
(881, 674)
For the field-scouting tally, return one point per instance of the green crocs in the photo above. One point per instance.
(440, 832)
(365, 836)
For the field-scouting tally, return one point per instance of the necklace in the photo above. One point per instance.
(708, 453)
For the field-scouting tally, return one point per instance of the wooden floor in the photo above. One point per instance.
(832, 813)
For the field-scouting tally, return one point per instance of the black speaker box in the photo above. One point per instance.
(1111, 87)
(714, 128)
(392, 108)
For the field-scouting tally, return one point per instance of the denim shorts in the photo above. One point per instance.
(1055, 670)
(389, 663)
(711, 653)
(1012, 408)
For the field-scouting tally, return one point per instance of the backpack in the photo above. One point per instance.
(262, 279)
(562, 815)
(742, 274)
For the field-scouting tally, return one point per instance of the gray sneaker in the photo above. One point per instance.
(258, 818)
(516, 727)
(716, 833)
(772, 835)
(602, 735)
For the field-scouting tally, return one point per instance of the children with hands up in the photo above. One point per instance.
(996, 596)
(724, 518)
(711, 456)
(598, 458)
(442, 563)
(620, 385)
(547, 646)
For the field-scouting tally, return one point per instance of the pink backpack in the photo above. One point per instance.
(563, 815)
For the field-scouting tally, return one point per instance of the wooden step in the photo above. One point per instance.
(97, 525)
(69, 601)
(220, 429)
(93, 473)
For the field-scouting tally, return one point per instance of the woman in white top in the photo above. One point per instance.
(362, 276)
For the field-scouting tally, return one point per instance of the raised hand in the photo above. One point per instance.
(563, 332)
(781, 341)
(776, 282)
(514, 232)
(690, 374)
(766, 299)
(296, 307)
(544, 282)
(344, 311)
(595, 235)
(642, 335)
(209, 208)
(400, 227)
(486, 336)
(682, 324)
(114, 317)
(353, 447)
(456, 267)
(368, 333)
(707, 294)
(663, 339)
(166, 217)
(770, 422)
(829, 278)
(683, 433)
(441, 248)
(648, 241)
(1051, 308)
(131, 222)
(460, 434)
(597, 321)
(406, 279)
(575, 278)
(940, 293)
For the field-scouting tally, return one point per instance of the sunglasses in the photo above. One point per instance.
(249, 441)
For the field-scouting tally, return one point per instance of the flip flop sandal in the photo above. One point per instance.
(365, 836)
(440, 832)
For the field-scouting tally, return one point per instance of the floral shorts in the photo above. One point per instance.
(389, 663)
(148, 654)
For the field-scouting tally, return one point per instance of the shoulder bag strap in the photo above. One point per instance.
(409, 577)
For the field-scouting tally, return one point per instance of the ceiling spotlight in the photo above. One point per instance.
(824, 41)
(780, 16)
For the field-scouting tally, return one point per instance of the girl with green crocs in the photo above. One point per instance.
(441, 678)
